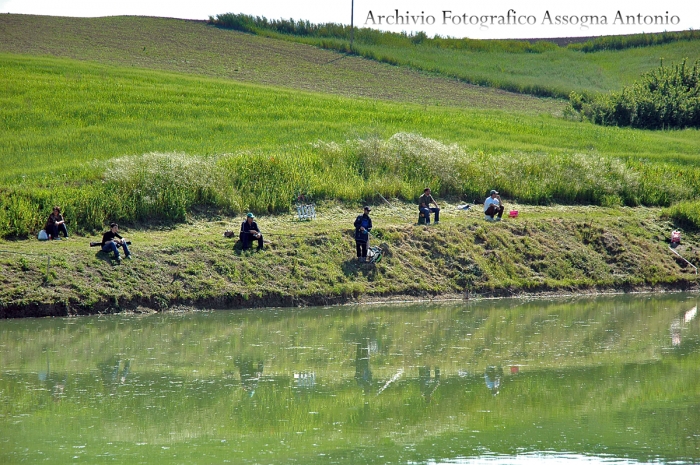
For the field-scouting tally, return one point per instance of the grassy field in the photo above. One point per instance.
(156, 141)
(540, 69)
(69, 126)
(192, 47)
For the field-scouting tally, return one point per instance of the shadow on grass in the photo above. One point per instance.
(353, 268)
(106, 257)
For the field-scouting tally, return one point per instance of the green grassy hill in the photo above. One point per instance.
(193, 47)
(540, 68)
(140, 121)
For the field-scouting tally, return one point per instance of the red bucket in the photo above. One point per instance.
(513, 213)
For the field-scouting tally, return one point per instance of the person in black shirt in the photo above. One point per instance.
(250, 232)
(111, 241)
(56, 224)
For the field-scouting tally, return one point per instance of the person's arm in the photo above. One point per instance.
(358, 222)
(369, 226)
(433, 199)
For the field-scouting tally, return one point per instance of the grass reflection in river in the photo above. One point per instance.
(612, 379)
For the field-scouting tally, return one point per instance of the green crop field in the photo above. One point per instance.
(63, 121)
(542, 68)
(193, 47)
(167, 127)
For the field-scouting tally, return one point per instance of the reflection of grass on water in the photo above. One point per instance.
(588, 410)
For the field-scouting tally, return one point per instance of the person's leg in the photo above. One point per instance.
(358, 249)
(500, 211)
(426, 214)
(126, 249)
(490, 211)
(260, 242)
(52, 231)
(62, 228)
(111, 246)
(436, 210)
(364, 250)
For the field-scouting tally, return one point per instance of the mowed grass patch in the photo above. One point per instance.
(194, 47)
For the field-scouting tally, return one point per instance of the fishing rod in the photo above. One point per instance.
(296, 235)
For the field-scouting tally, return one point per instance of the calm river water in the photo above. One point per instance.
(595, 380)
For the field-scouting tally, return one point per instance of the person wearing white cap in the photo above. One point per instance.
(493, 206)
(250, 232)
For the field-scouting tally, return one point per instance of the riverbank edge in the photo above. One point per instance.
(238, 302)
(546, 251)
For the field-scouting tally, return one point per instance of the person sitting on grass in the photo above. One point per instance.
(493, 206)
(424, 202)
(363, 225)
(56, 224)
(250, 232)
(111, 241)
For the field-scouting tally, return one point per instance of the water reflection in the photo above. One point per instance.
(363, 372)
(596, 380)
(678, 324)
(428, 385)
(250, 372)
(492, 377)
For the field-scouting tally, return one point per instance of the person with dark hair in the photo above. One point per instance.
(363, 225)
(493, 207)
(111, 241)
(250, 232)
(424, 202)
(56, 224)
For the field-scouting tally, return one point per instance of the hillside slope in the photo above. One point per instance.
(194, 47)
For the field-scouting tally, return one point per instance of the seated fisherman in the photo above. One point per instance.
(424, 202)
(493, 206)
(111, 241)
(56, 224)
(250, 232)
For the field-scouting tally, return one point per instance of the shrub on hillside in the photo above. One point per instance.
(665, 98)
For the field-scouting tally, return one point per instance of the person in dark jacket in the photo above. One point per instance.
(250, 232)
(363, 225)
(56, 224)
(111, 241)
(424, 202)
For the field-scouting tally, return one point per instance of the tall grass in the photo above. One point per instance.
(166, 187)
(110, 144)
(686, 214)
